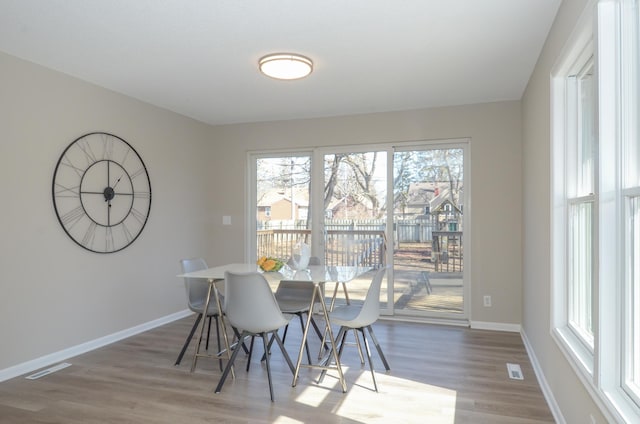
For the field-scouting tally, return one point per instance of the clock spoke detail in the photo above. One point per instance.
(101, 192)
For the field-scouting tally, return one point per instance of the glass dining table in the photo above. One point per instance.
(319, 275)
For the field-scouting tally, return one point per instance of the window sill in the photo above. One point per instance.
(614, 403)
(580, 358)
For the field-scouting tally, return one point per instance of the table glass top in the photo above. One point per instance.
(315, 273)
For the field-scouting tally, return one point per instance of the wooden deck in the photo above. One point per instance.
(423, 285)
(444, 294)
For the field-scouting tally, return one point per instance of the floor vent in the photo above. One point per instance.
(515, 372)
(48, 371)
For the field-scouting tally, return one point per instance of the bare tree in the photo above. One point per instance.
(331, 178)
(364, 169)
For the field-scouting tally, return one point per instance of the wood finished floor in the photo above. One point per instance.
(439, 374)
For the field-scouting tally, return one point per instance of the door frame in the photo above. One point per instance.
(465, 145)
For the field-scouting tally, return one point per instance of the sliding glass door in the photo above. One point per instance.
(354, 201)
(402, 206)
(428, 236)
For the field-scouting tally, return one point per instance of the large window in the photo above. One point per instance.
(596, 205)
(630, 196)
(575, 200)
(580, 175)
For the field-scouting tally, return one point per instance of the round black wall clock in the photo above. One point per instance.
(101, 192)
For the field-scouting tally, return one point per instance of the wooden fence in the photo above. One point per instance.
(414, 230)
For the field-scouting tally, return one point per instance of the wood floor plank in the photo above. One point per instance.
(438, 374)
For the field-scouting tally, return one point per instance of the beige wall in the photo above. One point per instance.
(494, 129)
(54, 294)
(573, 400)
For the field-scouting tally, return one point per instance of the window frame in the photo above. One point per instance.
(578, 54)
(604, 370)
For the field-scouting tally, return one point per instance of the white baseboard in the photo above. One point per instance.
(47, 360)
(542, 381)
(495, 326)
(426, 320)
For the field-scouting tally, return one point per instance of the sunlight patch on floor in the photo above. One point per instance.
(407, 402)
(315, 394)
(286, 420)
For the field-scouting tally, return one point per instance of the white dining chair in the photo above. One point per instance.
(197, 290)
(294, 297)
(293, 301)
(251, 308)
(359, 317)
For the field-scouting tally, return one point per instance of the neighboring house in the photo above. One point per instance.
(416, 203)
(428, 198)
(350, 208)
(276, 204)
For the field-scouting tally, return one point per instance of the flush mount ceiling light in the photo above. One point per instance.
(285, 66)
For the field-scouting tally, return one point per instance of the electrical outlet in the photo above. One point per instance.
(487, 301)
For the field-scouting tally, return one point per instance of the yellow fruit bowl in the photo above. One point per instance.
(269, 264)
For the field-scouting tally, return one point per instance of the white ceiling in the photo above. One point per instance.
(199, 57)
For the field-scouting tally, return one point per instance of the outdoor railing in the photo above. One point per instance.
(342, 247)
(447, 254)
(279, 243)
(355, 247)
(363, 247)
